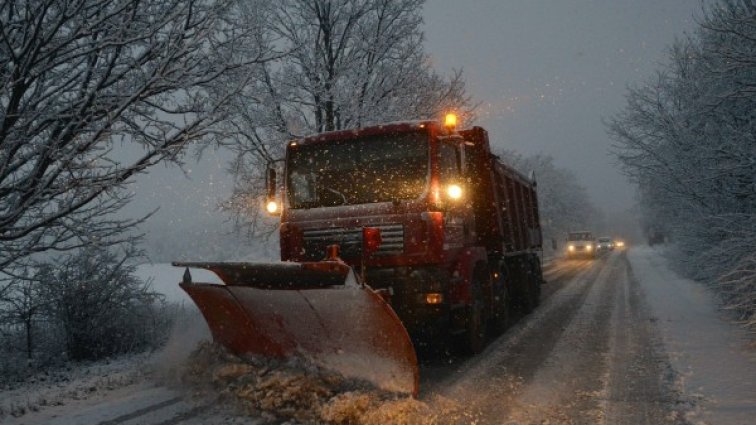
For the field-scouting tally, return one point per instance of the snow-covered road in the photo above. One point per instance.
(618, 340)
(622, 340)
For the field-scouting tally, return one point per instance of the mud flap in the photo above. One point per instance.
(317, 311)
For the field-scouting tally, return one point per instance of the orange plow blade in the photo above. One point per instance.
(317, 311)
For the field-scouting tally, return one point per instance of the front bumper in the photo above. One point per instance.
(406, 288)
(581, 253)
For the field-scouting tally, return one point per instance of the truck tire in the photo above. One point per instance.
(502, 302)
(475, 336)
(535, 279)
(528, 282)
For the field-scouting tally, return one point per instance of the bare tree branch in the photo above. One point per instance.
(96, 91)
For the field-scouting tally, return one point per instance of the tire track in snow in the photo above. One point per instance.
(186, 415)
(141, 412)
(490, 382)
(568, 387)
(640, 381)
(177, 410)
(437, 373)
(565, 272)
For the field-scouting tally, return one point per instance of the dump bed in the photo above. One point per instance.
(505, 201)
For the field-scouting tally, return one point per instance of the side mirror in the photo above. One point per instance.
(270, 182)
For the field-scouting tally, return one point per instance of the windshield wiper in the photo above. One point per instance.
(343, 198)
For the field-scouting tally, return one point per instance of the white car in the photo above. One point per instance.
(604, 244)
(581, 244)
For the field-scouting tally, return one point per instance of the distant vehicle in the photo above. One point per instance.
(655, 235)
(604, 244)
(581, 244)
(619, 244)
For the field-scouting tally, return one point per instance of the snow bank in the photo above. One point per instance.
(714, 358)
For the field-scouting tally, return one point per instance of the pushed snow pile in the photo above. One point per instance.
(293, 390)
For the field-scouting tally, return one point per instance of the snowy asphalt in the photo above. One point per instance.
(588, 354)
(618, 340)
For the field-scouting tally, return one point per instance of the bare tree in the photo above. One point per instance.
(102, 307)
(95, 91)
(345, 64)
(23, 306)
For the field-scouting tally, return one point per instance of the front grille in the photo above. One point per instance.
(350, 241)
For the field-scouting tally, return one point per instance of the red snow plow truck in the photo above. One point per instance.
(391, 236)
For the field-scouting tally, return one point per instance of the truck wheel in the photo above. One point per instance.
(502, 303)
(477, 320)
(530, 285)
(536, 278)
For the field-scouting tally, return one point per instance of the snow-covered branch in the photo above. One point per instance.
(344, 64)
(94, 92)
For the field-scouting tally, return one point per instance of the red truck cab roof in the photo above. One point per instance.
(398, 127)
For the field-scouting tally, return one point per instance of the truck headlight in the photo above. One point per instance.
(571, 248)
(454, 191)
(272, 207)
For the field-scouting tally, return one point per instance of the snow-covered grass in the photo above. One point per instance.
(74, 381)
(81, 383)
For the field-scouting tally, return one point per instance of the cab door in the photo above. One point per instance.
(459, 228)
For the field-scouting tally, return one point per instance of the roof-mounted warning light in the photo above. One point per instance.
(450, 121)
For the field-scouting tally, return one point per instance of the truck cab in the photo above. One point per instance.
(449, 216)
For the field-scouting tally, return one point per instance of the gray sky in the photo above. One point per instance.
(547, 71)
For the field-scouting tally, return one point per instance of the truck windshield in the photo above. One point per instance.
(358, 171)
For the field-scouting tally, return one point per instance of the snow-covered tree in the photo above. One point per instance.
(687, 139)
(102, 307)
(22, 306)
(86, 304)
(344, 64)
(95, 91)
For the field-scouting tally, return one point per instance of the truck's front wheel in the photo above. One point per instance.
(477, 316)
